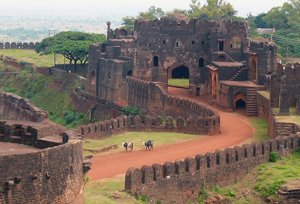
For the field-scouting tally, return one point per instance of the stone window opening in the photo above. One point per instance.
(201, 63)
(149, 44)
(193, 42)
(164, 42)
(202, 42)
(178, 44)
(155, 61)
(221, 45)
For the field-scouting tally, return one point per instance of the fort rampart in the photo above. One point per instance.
(181, 181)
(13, 107)
(18, 45)
(51, 174)
(151, 97)
(191, 125)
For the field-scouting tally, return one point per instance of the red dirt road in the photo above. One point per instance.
(235, 129)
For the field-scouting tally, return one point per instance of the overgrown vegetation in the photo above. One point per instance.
(131, 111)
(285, 20)
(274, 156)
(261, 183)
(50, 93)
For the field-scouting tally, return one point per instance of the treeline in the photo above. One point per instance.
(285, 20)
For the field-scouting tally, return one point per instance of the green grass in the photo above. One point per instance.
(272, 175)
(292, 118)
(32, 57)
(262, 182)
(185, 83)
(50, 93)
(261, 129)
(137, 138)
(108, 191)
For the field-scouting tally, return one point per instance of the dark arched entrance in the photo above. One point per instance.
(240, 104)
(179, 77)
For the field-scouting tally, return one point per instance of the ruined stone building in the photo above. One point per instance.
(216, 56)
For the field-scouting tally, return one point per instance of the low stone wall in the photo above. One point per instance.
(52, 175)
(147, 123)
(263, 105)
(13, 107)
(181, 181)
(19, 45)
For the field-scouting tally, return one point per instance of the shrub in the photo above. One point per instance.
(269, 189)
(274, 156)
(142, 198)
(130, 111)
(202, 196)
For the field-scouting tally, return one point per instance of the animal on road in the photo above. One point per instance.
(128, 145)
(149, 144)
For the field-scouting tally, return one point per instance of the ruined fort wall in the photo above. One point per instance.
(13, 107)
(181, 181)
(263, 105)
(191, 125)
(155, 100)
(53, 173)
(265, 53)
(19, 45)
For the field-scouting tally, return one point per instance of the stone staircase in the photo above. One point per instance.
(251, 101)
(238, 73)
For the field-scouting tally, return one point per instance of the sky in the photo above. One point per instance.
(116, 9)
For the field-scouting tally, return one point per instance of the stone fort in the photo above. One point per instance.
(216, 56)
(222, 64)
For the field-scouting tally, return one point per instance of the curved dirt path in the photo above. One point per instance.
(235, 129)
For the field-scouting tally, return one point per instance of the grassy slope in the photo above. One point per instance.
(262, 182)
(137, 138)
(179, 82)
(32, 57)
(39, 89)
(261, 129)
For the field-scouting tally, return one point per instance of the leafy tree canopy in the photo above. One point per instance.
(72, 45)
(213, 9)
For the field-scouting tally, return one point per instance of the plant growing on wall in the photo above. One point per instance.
(131, 111)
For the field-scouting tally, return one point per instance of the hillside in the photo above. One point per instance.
(49, 92)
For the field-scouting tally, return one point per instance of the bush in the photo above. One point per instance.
(131, 111)
(142, 198)
(269, 189)
(202, 196)
(274, 156)
(72, 117)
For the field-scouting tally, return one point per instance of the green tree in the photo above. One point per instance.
(176, 12)
(72, 45)
(151, 14)
(213, 9)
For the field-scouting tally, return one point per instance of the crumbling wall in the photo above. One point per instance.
(53, 174)
(13, 107)
(181, 181)
(265, 57)
(263, 105)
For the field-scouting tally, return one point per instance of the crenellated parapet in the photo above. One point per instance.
(19, 45)
(181, 181)
(147, 123)
(256, 46)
